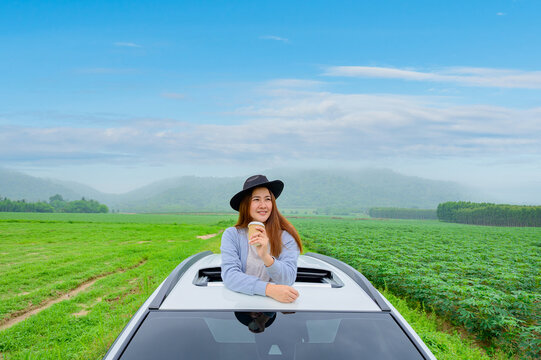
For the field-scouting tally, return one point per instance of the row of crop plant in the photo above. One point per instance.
(485, 279)
(489, 214)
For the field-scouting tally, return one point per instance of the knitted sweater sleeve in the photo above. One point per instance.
(284, 269)
(232, 273)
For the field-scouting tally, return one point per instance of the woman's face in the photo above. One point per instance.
(260, 204)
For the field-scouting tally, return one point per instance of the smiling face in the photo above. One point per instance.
(260, 204)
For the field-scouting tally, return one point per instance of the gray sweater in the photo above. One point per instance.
(234, 250)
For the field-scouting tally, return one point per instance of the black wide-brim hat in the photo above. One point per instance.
(253, 182)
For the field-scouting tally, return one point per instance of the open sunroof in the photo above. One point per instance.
(304, 275)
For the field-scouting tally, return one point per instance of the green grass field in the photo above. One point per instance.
(124, 258)
(45, 256)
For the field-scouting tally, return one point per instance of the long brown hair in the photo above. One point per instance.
(275, 224)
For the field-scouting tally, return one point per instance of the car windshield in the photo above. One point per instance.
(269, 335)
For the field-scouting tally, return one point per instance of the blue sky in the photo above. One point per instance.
(116, 94)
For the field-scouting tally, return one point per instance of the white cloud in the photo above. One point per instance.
(500, 14)
(273, 37)
(467, 76)
(127, 44)
(294, 126)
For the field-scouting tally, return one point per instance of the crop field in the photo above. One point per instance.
(486, 279)
(71, 282)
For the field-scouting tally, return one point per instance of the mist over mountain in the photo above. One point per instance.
(18, 186)
(343, 191)
(328, 191)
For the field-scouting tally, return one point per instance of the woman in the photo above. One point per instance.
(265, 264)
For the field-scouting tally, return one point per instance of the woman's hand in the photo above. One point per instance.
(260, 240)
(281, 293)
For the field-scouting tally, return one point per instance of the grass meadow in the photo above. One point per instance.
(93, 271)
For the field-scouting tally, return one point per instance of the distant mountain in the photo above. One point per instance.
(325, 190)
(363, 189)
(83, 190)
(17, 186)
(187, 193)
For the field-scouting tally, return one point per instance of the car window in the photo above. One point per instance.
(322, 331)
(269, 335)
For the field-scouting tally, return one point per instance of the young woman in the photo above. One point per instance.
(266, 263)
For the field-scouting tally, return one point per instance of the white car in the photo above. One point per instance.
(338, 315)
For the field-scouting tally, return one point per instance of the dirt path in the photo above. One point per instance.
(206, 237)
(25, 314)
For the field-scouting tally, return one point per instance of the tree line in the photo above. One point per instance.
(56, 204)
(402, 213)
(489, 214)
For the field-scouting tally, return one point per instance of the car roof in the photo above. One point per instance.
(325, 284)
(188, 294)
